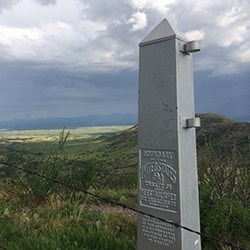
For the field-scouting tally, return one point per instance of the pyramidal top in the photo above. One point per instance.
(162, 31)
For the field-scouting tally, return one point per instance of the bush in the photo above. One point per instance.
(32, 187)
(224, 197)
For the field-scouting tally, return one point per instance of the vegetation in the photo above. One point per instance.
(224, 196)
(38, 214)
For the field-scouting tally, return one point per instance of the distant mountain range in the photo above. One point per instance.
(74, 122)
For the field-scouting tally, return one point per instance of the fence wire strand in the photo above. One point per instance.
(124, 206)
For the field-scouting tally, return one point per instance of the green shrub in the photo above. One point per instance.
(57, 166)
(224, 197)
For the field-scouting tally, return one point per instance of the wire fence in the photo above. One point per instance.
(124, 206)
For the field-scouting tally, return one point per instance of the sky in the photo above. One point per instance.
(68, 58)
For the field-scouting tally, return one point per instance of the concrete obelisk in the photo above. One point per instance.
(168, 186)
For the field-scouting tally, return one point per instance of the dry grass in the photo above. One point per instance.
(52, 134)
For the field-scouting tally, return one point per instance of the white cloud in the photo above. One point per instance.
(159, 5)
(9, 36)
(103, 35)
(80, 38)
(245, 56)
(225, 25)
(236, 13)
(37, 44)
(243, 53)
(232, 36)
(84, 48)
(28, 14)
(138, 20)
(91, 30)
(195, 35)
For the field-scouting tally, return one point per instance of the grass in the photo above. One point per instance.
(46, 135)
(62, 225)
(71, 220)
(86, 142)
(64, 220)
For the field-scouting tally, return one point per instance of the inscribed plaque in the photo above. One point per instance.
(158, 180)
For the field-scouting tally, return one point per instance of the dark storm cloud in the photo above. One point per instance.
(225, 95)
(88, 64)
(29, 91)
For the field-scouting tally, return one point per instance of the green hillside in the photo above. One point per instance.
(118, 154)
(40, 214)
(225, 135)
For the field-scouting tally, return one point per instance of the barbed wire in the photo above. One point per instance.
(124, 206)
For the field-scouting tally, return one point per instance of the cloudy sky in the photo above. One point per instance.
(66, 58)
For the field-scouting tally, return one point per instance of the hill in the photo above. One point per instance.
(67, 214)
(117, 153)
(121, 149)
(224, 134)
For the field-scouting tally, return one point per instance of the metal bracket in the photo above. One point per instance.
(191, 123)
(190, 47)
(182, 49)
